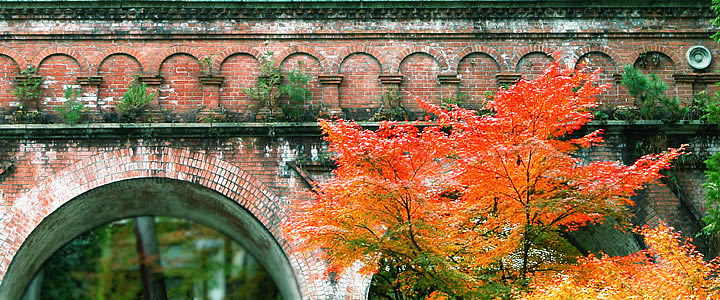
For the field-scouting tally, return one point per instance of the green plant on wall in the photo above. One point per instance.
(296, 92)
(265, 91)
(134, 100)
(650, 96)
(206, 65)
(28, 89)
(396, 111)
(71, 111)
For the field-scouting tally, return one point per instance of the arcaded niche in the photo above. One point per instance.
(364, 60)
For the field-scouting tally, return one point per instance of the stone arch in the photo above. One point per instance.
(154, 67)
(420, 71)
(556, 55)
(220, 58)
(59, 71)
(533, 63)
(117, 71)
(295, 49)
(499, 60)
(374, 53)
(181, 90)
(478, 76)
(604, 50)
(601, 60)
(241, 71)
(635, 55)
(312, 67)
(95, 68)
(360, 91)
(15, 57)
(9, 70)
(662, 65)
(45, 53)
(432, 52)
(209, 174)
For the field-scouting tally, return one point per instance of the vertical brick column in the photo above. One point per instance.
(684, 84)
(710, 80)
(211, 92)
(390, 84)
(449, 84)
(153, 83)
(331, 93)
(90, 88)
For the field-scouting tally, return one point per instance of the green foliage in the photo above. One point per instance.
(395, 111)
(712, 107)
(712, 195)
(71, 111)
(296, 92)
(265, 91)
(460, 100)
(716, 9)
(650, 97)
(134, 100)
(206, 65)
(60, 280)
(28, 88)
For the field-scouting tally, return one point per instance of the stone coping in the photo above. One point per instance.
(280, 129)
(329, 9)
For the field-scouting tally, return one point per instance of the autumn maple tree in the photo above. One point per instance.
(669, 269)
(468, 205)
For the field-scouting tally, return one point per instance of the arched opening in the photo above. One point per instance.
(148, 197)
(152, 257)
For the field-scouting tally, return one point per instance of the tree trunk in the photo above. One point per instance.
(147, 249)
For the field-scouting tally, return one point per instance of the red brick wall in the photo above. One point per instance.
(660, 64)
(533, 64)
(8, 71)
(477, 72)
(58, 71)
(240, 72)
(117, 71)
(599, 60)
(181, 90)
(420, 81)
(360, 90)
(310, 66)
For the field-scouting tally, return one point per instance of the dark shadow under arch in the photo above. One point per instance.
(148, 196)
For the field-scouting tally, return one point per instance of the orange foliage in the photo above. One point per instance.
(469, 201)
(669, 269)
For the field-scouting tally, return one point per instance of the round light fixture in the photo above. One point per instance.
(698, 57)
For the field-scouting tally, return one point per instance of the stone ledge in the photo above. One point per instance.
(308, 129)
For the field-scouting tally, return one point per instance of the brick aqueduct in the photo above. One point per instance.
(57, 181)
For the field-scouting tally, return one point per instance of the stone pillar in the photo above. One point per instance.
(709, 81)
(391, 90)
(507, 78)
(449, 84)
(211, 93)
(689, 84)
(684, 86)
(90, 89)
(331, 93)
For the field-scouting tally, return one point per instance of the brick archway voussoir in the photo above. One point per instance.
(180, 164)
